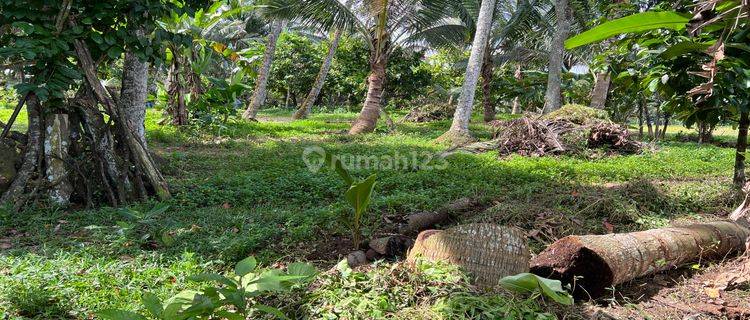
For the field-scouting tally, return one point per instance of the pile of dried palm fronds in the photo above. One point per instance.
(532, 137)
(430, 112)
(613, 137)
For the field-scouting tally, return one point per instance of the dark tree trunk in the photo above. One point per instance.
(665, 125)
(132, 102)
(640, 120)
(16, 194)
(739, 157)
(649, 123)
(175, 89)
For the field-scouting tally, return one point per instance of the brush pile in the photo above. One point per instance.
(571, 130)
(430, 112)
(612, 137)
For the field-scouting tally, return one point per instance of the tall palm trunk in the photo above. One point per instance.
(517, 100)
(368, 117)
(739, 157)
(487, 68)
(459, 131)
(600, 91)
(261, 86)
(553, 98)
(132, 102)
(306, 107)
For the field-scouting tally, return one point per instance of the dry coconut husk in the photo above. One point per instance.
(488, 252)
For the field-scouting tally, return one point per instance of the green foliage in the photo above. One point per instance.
(146, 227)
(217, 104)
(358, 196)
(231, 297)
(578, 114)
(639, 22)
(527, 282)
(35, 37)
(247, 192)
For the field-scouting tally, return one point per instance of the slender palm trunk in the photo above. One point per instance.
(640, 120)
(600, 91)
(306, 107)
(368, 117)
(261, 86)
(553, 98)
(739, 157)
(132, 102)
(459, 131)
(487, 68)
(517, 100)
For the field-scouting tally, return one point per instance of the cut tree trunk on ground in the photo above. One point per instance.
(488, 252)
(595, 262)
(421, 221)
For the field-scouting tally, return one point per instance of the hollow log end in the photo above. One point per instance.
(569, 261)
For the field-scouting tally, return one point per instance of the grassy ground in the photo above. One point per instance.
(244, 189)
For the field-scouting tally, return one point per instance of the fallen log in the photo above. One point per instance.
(595, 262)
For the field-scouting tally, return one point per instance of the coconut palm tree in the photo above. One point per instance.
(261, 84)
(459, 131)
(306, 107)
(384, 24)
(517, 26)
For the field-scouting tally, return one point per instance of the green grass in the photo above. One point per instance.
(243, 189)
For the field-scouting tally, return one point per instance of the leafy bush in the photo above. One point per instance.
(231, 298)
(422, 290)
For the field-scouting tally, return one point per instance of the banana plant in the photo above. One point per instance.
(358, 195)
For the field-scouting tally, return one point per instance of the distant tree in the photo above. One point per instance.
(385, 25)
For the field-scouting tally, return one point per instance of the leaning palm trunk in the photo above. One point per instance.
(368, 117)
(306, 107)
(459, 131)
(553, 98)
(261, 86)
(600, 91)
(487, 68)
(132, 102)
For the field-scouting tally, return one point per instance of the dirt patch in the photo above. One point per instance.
(686, 293)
